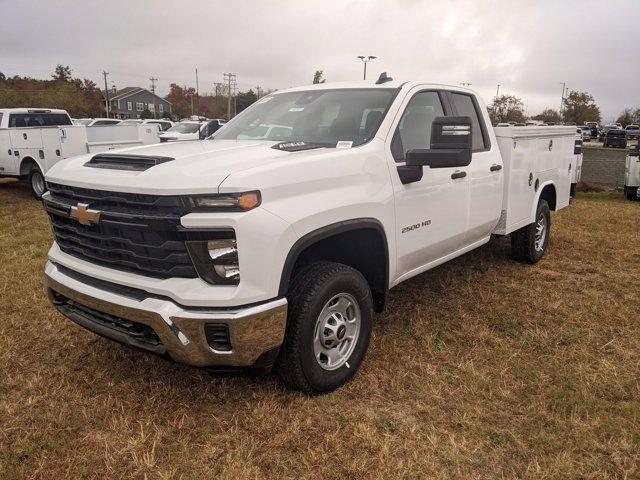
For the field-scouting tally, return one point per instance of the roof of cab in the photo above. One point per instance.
(32, 110)
(371, 84)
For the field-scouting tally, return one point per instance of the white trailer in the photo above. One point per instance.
(632, 175)
(576, 164)
(33, 140)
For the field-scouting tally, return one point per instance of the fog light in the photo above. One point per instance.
(216, 261)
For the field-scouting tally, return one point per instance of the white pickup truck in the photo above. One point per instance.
(228, 253)
(32, 140)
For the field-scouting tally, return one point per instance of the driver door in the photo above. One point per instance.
(432, 213)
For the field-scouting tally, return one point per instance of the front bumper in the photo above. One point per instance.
(161, 326)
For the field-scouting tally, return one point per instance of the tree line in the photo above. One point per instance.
(82, 97)
(577, 107)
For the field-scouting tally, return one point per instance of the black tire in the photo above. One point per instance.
(631, 193)
(523, 241)
(36, 182)
(311, 290)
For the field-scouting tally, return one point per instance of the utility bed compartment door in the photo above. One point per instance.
(101, 138)
(25, 138)
(73, 140)
(518, 194)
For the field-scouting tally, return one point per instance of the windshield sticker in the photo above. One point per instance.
(296, 109)
(344, 144)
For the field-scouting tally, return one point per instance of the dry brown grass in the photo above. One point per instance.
(481, 368)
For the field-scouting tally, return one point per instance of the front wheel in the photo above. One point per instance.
(529, 243)
(328, 327)
(36, 182)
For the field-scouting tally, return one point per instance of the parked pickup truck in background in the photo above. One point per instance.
(32, 140)
(576, 165)
(632, 174)
(633, 131)
(228, 253)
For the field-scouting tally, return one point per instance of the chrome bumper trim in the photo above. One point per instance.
(252, 330)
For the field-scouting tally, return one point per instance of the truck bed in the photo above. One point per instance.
(533, 157)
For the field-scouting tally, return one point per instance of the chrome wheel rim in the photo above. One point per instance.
(37, 183)
(336, 332)
(541, 232)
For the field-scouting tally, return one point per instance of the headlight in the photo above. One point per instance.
(216, 261)
(225, 202)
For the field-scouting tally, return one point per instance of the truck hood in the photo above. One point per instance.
(198, 167)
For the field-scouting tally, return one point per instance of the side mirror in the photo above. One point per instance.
(451, 145)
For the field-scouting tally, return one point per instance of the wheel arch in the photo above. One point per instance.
(364, 247)
(546, 191)
(25, 166)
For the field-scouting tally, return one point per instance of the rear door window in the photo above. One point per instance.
(466, 106)
(21, 120)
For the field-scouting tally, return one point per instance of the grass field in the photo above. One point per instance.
(481, 368)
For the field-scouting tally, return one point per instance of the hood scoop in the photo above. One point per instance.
(135, 163)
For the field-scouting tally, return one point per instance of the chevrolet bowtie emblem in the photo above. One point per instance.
(84, 215)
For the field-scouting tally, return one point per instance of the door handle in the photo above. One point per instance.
(495, 168)
(455, 175)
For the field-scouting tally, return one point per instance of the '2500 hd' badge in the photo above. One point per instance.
(424, 223)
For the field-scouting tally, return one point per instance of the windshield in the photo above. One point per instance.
(84, 121)
(185, 128)
(323, 117)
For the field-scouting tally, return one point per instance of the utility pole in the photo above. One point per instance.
(564, 85)
(497, 91)
(366, 60)
(106, 92)
(153, 90)
(197, 94)
(258, 92)
(230, 78)
(219, 88)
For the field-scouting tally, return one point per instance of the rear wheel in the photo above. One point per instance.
(328, 327)
(36, 182)
(632, 193)
(529, 243)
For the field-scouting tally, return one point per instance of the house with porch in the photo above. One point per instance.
(130, 102)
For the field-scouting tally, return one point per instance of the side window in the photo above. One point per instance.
(465, 107)
(414, 129)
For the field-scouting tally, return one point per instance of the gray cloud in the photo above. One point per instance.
(529, 47)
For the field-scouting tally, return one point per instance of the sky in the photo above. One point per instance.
(528, 47)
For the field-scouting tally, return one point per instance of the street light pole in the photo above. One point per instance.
(366, 60)
(497, 90)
